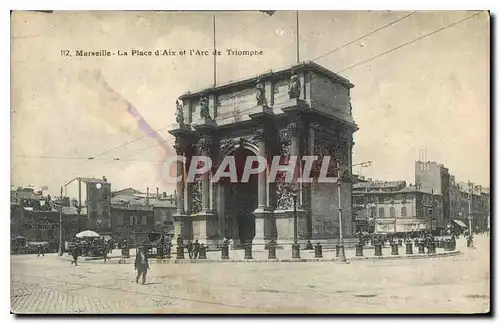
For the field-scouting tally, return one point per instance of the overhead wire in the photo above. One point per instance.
(228, 117)
(364, 36)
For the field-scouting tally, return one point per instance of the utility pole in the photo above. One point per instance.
(297, 37)
(61, 225)
(470, 242)
(340, 169)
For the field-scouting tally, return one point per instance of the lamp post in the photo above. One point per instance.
(60, 252)
(295, 245)
(470, 242)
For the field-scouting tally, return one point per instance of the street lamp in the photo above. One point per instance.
(295, 245)
(60, 252)
(470, 242)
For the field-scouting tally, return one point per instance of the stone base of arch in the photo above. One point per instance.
(265, 228)
(285, 226)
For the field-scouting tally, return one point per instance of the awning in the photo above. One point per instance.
(459, 223)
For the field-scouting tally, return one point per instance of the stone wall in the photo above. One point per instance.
(324, 209)
(330, 97)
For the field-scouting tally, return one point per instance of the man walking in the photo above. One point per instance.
(75, 254)
(105, 253)
(141, 265)
(190, 249)
(40, 251)
(196, 249)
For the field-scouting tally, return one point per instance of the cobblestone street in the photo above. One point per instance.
(458, 284)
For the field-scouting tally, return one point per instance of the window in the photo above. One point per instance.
(392, 212)
(381, 212)
(144, 220)
(373, 211)
(403, 211)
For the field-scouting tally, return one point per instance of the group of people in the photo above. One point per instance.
(193, 249)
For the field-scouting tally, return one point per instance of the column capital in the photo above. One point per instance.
(205, 144)
(295, 128)
(259, 135)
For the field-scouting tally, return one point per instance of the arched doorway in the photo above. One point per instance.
(241, 200)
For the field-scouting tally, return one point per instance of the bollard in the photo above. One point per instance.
(180, 253)
(225, 252)
(203, 252)
(409, 248)
(318, 251)
(309, 245)
(421, 248)
(272, 252)
(394, 249)
(295, 251)
(159, 252)
(168, 251)
(337, 249)
(431, 248)
(248, 251)
(378, 249)
(125, 252)
(359, 249)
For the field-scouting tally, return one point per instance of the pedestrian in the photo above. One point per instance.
(75, 254)
(105, 253)
(190, 248)
(141, 265)
(196, 249)
(40, 251)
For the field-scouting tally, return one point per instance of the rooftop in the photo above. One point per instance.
(378, 184)
(279, 72)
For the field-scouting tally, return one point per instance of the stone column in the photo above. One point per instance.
(205, 144)
(262, 176)
(285, 217)
(263, 216)
(180, 182)
(204, 222)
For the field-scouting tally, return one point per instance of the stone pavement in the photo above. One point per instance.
(457, 284)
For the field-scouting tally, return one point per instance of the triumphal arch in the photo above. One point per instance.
(297, 111)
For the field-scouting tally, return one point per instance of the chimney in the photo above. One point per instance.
(147, 195)
(157, 193)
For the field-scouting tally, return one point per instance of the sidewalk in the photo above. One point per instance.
(284, 255)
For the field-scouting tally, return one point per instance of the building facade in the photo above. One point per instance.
(91, 197)
(132, 214)
(302, 110)
(474, 201)
(435, 177)
(393, 207)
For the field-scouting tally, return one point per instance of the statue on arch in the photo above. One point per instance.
(204, 111)
(260, 93)
(294, 87)
(179, 115)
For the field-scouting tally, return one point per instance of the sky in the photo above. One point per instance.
(432, 94)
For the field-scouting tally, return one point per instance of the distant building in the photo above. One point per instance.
(125, 192)
(393, 207)
(91, 197)
(131, 214)
(479, 204)
(435, 177)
